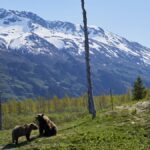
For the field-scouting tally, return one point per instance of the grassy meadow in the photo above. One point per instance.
(113, 129)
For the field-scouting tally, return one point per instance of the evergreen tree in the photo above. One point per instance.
(139, 90)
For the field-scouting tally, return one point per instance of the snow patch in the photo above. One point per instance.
(57, 43)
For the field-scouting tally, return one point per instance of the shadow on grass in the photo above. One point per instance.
(13, 146)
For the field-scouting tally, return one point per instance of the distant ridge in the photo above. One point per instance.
(46, 58)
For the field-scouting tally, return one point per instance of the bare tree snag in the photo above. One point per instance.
(91, 106)
(1, 122)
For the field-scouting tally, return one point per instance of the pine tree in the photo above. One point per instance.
(139, 90)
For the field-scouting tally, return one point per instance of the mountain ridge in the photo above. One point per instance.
(115, 61)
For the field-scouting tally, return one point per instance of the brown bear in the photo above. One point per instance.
(46, 126)
(24, 130)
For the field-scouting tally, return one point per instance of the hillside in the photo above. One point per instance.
(46, 58)
(122, 129)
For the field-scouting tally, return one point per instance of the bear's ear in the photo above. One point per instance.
(25, 125)
(33, 126)
(40, 115)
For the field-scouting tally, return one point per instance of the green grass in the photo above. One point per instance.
(109, 131)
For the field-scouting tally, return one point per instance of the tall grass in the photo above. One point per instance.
(60, 110)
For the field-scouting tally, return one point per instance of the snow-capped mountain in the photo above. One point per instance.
(46, 58)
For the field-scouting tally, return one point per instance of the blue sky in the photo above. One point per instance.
(128, 18)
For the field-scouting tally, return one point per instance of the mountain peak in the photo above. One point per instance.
(10, 16)
(51, 57)
(16, 26)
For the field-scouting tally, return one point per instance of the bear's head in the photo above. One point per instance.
(39, 117)
(33, 126)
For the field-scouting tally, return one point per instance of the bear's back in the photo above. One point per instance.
(20, 130)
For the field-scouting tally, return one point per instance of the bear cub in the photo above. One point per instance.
(24, 130)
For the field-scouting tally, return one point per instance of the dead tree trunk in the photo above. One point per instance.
(91, 106)
(112, 101)
(1, 122)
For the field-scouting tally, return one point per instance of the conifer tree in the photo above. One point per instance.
(139, 90)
